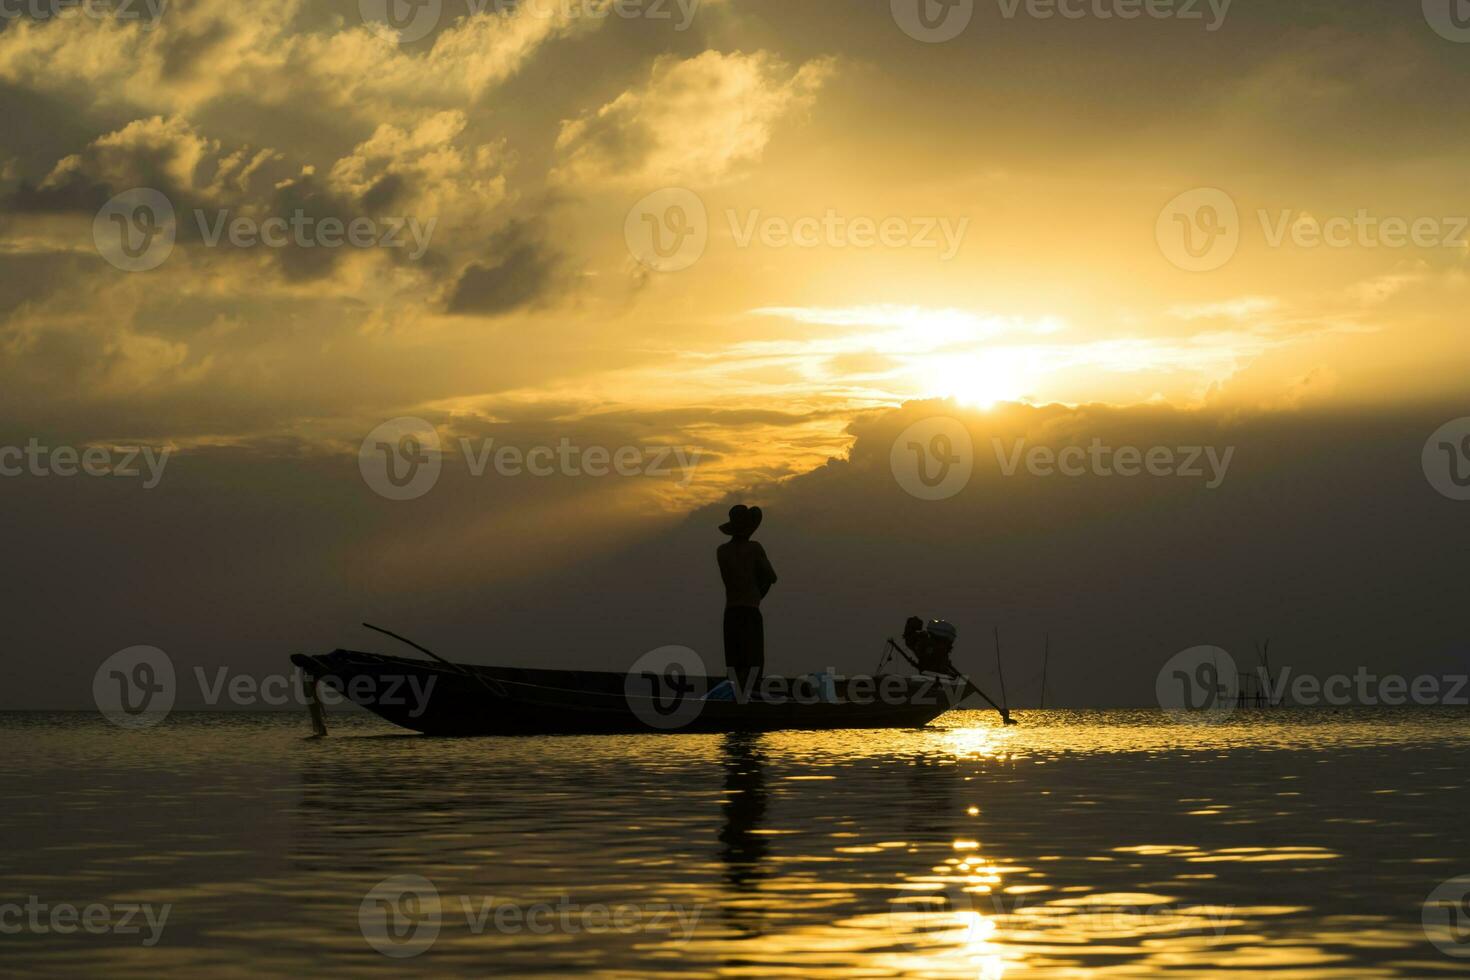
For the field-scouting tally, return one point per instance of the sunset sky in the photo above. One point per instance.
(1028, 173)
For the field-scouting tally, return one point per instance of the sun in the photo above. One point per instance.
(978, 379)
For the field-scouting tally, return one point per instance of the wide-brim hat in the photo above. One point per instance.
(743, 521)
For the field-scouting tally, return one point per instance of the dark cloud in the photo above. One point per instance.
(307, 197)
(519, 270)
(714, 416)
(29, 278)
(77, 193)
(389, 189)
(40, 127)
(188, 52)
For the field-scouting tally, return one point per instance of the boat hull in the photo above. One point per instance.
(468, 700)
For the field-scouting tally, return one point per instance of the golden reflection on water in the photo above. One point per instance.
(1073, 845)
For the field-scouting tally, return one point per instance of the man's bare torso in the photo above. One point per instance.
(746, 572)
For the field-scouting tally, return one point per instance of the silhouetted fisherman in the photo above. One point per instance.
(748, 576)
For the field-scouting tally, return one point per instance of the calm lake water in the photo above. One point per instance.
(1079, 844)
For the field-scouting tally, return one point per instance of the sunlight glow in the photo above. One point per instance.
(978, 379)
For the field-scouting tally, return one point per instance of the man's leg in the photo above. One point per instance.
(755, 656)
(733, 643)
(744, 645)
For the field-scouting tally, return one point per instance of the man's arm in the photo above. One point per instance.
(765, 575)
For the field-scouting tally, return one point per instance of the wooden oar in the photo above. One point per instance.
(1005, 716)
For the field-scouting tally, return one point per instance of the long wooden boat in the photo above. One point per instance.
(443, 698)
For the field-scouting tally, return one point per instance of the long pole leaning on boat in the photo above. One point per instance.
(1001, 672)
(1045, 656)
(404, 639)
(1005, 712)
(457, 668)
